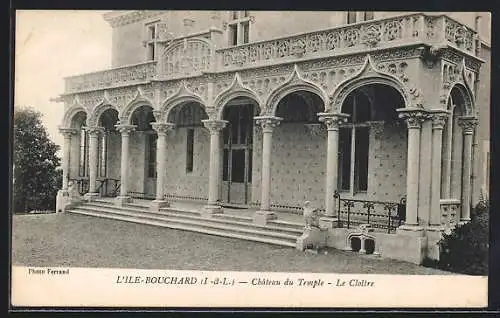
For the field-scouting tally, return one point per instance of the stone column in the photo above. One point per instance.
(62, 198)
(468, 124)
(414, 118)
(438, 121)
(445, 194)
(66, 159)
(161, 147)
(268, 123)
(215, 127)
(125, 131)
(332, 122)
(94, 133)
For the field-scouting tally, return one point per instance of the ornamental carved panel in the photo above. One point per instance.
(122, 96)
(187, 57)
(91, 99)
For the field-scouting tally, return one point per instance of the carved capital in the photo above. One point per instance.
(214, 126)
(439, 118)
(94, 130)
(162, 128)
(414, 117)
(333, 120)
(468, 123)
(268, 123)
(67, 132)
(125, 130)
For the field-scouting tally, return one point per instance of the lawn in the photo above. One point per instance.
(83, 241)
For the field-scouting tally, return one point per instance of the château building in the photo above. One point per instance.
(356, 112)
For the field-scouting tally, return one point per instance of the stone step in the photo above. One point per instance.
(192, 228)
(202, 222)
(216, 218)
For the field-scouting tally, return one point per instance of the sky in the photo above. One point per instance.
(51, 45)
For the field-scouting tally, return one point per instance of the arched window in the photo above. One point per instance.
(354, 144)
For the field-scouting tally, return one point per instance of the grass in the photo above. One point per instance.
(83, 241)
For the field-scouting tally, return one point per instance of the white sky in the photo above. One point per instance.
(51, 45)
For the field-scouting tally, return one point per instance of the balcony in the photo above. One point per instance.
(387, 33)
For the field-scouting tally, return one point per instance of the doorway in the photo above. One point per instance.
(237, 154)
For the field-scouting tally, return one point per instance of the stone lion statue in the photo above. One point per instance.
(311, 215)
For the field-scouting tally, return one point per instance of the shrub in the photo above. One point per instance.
(465, 250)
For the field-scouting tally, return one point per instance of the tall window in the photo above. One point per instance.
(151, 35)
(351, 17)
(152, 138)
(239, 28)
(354, 145)
(358, 16)
(84, 153)
(189, 150)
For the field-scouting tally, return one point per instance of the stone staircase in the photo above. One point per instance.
(277, 232)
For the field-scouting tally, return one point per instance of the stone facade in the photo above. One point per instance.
(308, 82)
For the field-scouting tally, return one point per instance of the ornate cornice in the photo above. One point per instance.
(116, 19)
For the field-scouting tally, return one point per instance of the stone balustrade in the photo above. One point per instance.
(120, 76)
(393, 32)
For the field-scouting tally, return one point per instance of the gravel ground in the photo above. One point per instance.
(83, 241)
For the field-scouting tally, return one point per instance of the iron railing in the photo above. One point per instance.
(82, 185)
(109, 187)
(379, 214)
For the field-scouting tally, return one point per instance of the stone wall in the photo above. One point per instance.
(136, 171)
(178, 181)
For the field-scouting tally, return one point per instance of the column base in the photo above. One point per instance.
(263, 217)
(328, 222)
(122, 200)
(91, 196)
(434, 234)
(210, 209)
(410, 230)
(156, 205)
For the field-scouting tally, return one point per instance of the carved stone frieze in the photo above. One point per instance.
(458, 34)
(90, 99)
(122, 96)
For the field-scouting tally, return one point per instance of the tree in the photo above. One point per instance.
(36, 174)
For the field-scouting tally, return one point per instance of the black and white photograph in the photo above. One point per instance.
(250, 158)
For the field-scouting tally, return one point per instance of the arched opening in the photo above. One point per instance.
(355, 244)
(298, 153)
(373, 145)
(142, 154)
(188, 151)
(108, 149)
(238, 150)
(452, 161)
(79, 168)
(369, 246)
